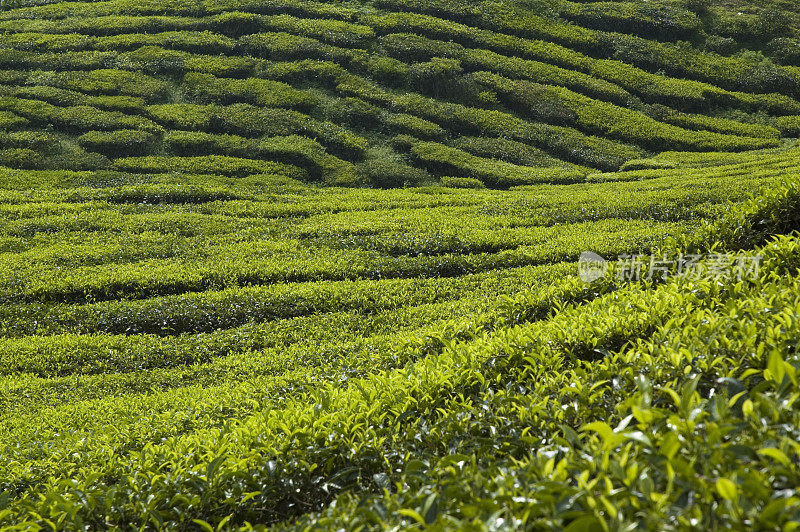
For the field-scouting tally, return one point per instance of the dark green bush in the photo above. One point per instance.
(293, 149)
(385, 168)
(436, 77)
(721, 45)
(353, 112)
(507, 150)
(788, 125)
(9, 4)
(64, 97)
(80, 118)
(207, 88)
(461, 182)
(21, 158)
(445, 160)
(201, 42)
(284, 46)
(103, 81)
(659, 21)
(209, 164)
(120, 143)
(785, 50)
(415, 126)
(10, 121)
(38, 141)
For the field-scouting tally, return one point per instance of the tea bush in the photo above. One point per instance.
(206, 88)
(311, 265)
(118, 143)
(209, 164)
(445, 160)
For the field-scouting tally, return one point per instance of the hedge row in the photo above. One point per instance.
(507, 150)
(659, 21)
(25, 60)
(208, 164)
(336, 32)
(156, 60)
(202, 42)
(104, 25)
(415, 126)
(76, 118)
(285, 46)
(684, 94)
(292, 149)
(788, 125)
(536, 359)
(102, 81)
(66, 97)
(446, 160)
(207, 88)
(712, 123)
(309, 8)
(264, 268)
(733, 73)
(562, 106)
(120, 143)
(231, 23)
(247, 120)
(411, 47)
(10, 121)
(563, 142)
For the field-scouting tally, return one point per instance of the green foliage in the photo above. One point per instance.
(386, 169)
(206, 88)
(648, 164)
(103, 81)
(445, 160)
(564, 107)
(461, 182)
(20, 158)
(9, 121)
(254, 271)
(157, 60)
(75, 118)
(413, 125)
(118, 143)
(568, 82)
(209, 164)
(9, 4)
(244, 119)
(261, 336)
(65, 98)
(788, 125)
(660, 21)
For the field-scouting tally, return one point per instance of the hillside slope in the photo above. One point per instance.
(223, 305)
(246, 349)
(390, 92)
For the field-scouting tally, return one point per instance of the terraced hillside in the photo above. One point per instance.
(389, 92)
(312, 265)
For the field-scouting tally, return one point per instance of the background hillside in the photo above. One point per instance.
(392, 92)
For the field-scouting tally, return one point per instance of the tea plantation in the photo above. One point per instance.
(301, 264)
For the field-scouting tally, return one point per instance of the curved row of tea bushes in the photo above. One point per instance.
(293, 149)
(564, 107)
(78, 118)
(249, 120)
(686, 94)
(207, 164)
(264, 457)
